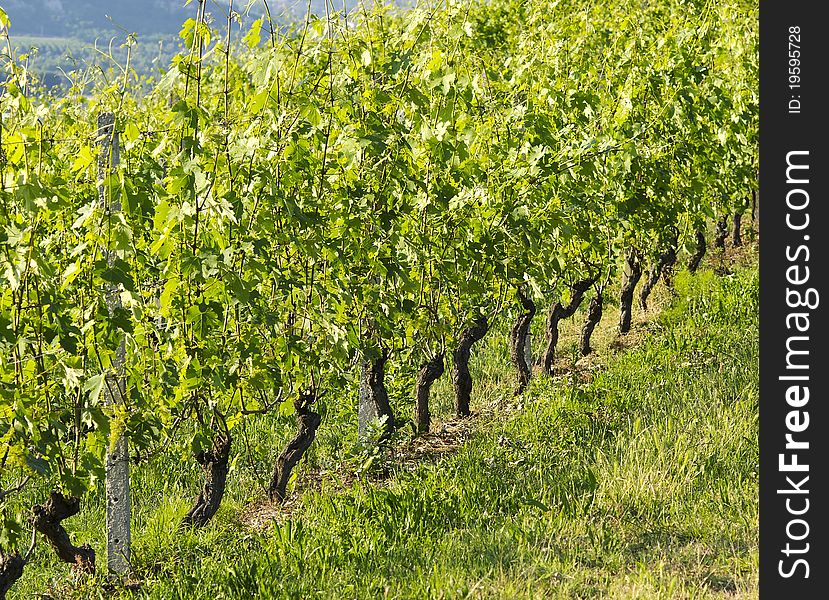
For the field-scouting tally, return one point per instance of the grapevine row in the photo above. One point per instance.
(295, 213)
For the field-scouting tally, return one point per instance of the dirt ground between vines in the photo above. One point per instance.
(444, 439)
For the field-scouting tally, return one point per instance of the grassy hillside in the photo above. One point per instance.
(631, 475)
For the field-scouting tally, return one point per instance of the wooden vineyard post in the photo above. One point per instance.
(117, 459)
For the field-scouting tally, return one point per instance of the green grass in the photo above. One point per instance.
(636, 478)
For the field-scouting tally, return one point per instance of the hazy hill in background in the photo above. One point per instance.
(64, 32)
(72, 18)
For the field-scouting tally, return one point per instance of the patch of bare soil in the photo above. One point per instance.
(722, 261)
(580, 372)
(445, 439)
(640, 329)
(260, 514)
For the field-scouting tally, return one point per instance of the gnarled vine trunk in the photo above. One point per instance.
(632, 275)
(11, 569)
(594, 315)
(699, 252)
(374, 398)
(558, 312)
(736, 230)
(669, 261)
(461, 378)
(47, 519)
(519, 339)
(721, 233)
(307, 422)
(663, 268)
(429, 372)
(214, 464)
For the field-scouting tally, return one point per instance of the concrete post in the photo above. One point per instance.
(117, 459)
